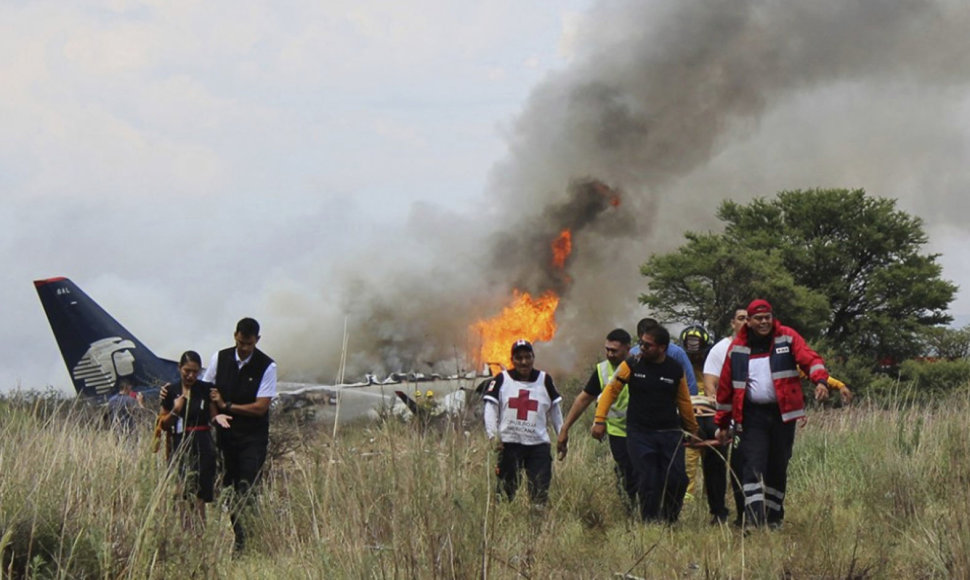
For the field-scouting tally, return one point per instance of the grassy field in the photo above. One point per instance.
(873, 493)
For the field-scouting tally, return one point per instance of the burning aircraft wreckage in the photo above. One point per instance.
(100, 353)
(536, 288)
(398, 395)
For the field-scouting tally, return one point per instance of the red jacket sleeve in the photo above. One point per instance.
(809, 360)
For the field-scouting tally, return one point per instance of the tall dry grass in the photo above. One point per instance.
(873, 493)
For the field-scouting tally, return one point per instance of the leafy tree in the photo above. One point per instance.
(706, 280)
(946, 343)
(835, 263)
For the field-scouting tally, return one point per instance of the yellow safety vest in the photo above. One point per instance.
(616, 419)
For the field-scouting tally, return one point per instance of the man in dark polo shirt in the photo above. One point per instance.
(245, 380)
(658, 412)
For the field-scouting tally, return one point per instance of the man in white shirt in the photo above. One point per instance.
(716, 472)
(715, 358)
(245, 384)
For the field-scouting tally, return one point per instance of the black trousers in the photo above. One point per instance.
(196, 457)
(721, 466)
(658, 458)
(537, 462)
(715, 469)
(766, 447)
(626, 476)
(243, 457)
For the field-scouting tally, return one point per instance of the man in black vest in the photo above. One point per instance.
(245, 380)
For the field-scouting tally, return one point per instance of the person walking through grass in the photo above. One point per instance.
(245, 384)
(658, 413)
(520, 404)
(187, 410)
(617, 349)
(761, 392)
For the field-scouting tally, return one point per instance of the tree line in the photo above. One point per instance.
(847, 269)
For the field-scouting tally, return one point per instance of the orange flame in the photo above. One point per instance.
(562, 246)
(533, 320)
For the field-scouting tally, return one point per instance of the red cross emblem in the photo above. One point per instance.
(523, 404)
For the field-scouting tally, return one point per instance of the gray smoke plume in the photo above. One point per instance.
(673, 106)
(522, 256)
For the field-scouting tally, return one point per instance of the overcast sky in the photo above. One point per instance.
(188, 163)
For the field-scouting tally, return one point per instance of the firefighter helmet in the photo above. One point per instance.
(695, 338)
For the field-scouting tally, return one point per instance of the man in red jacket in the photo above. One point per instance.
(761, 392)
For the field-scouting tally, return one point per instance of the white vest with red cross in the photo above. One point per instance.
(523, 410)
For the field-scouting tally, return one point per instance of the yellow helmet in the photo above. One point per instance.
(429, 394)
(417, 394)
(695, 338)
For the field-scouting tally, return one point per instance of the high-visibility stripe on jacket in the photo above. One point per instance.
(788, 352)
(616, 419)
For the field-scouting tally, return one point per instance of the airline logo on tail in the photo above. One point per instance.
(105, 361)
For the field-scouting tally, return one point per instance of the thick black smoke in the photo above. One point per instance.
(522, 253)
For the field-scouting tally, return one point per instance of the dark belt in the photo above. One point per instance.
(748, 401)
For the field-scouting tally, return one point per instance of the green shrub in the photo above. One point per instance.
(913, 382)
(933, 379)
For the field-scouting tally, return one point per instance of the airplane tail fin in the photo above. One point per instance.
(99, 352)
